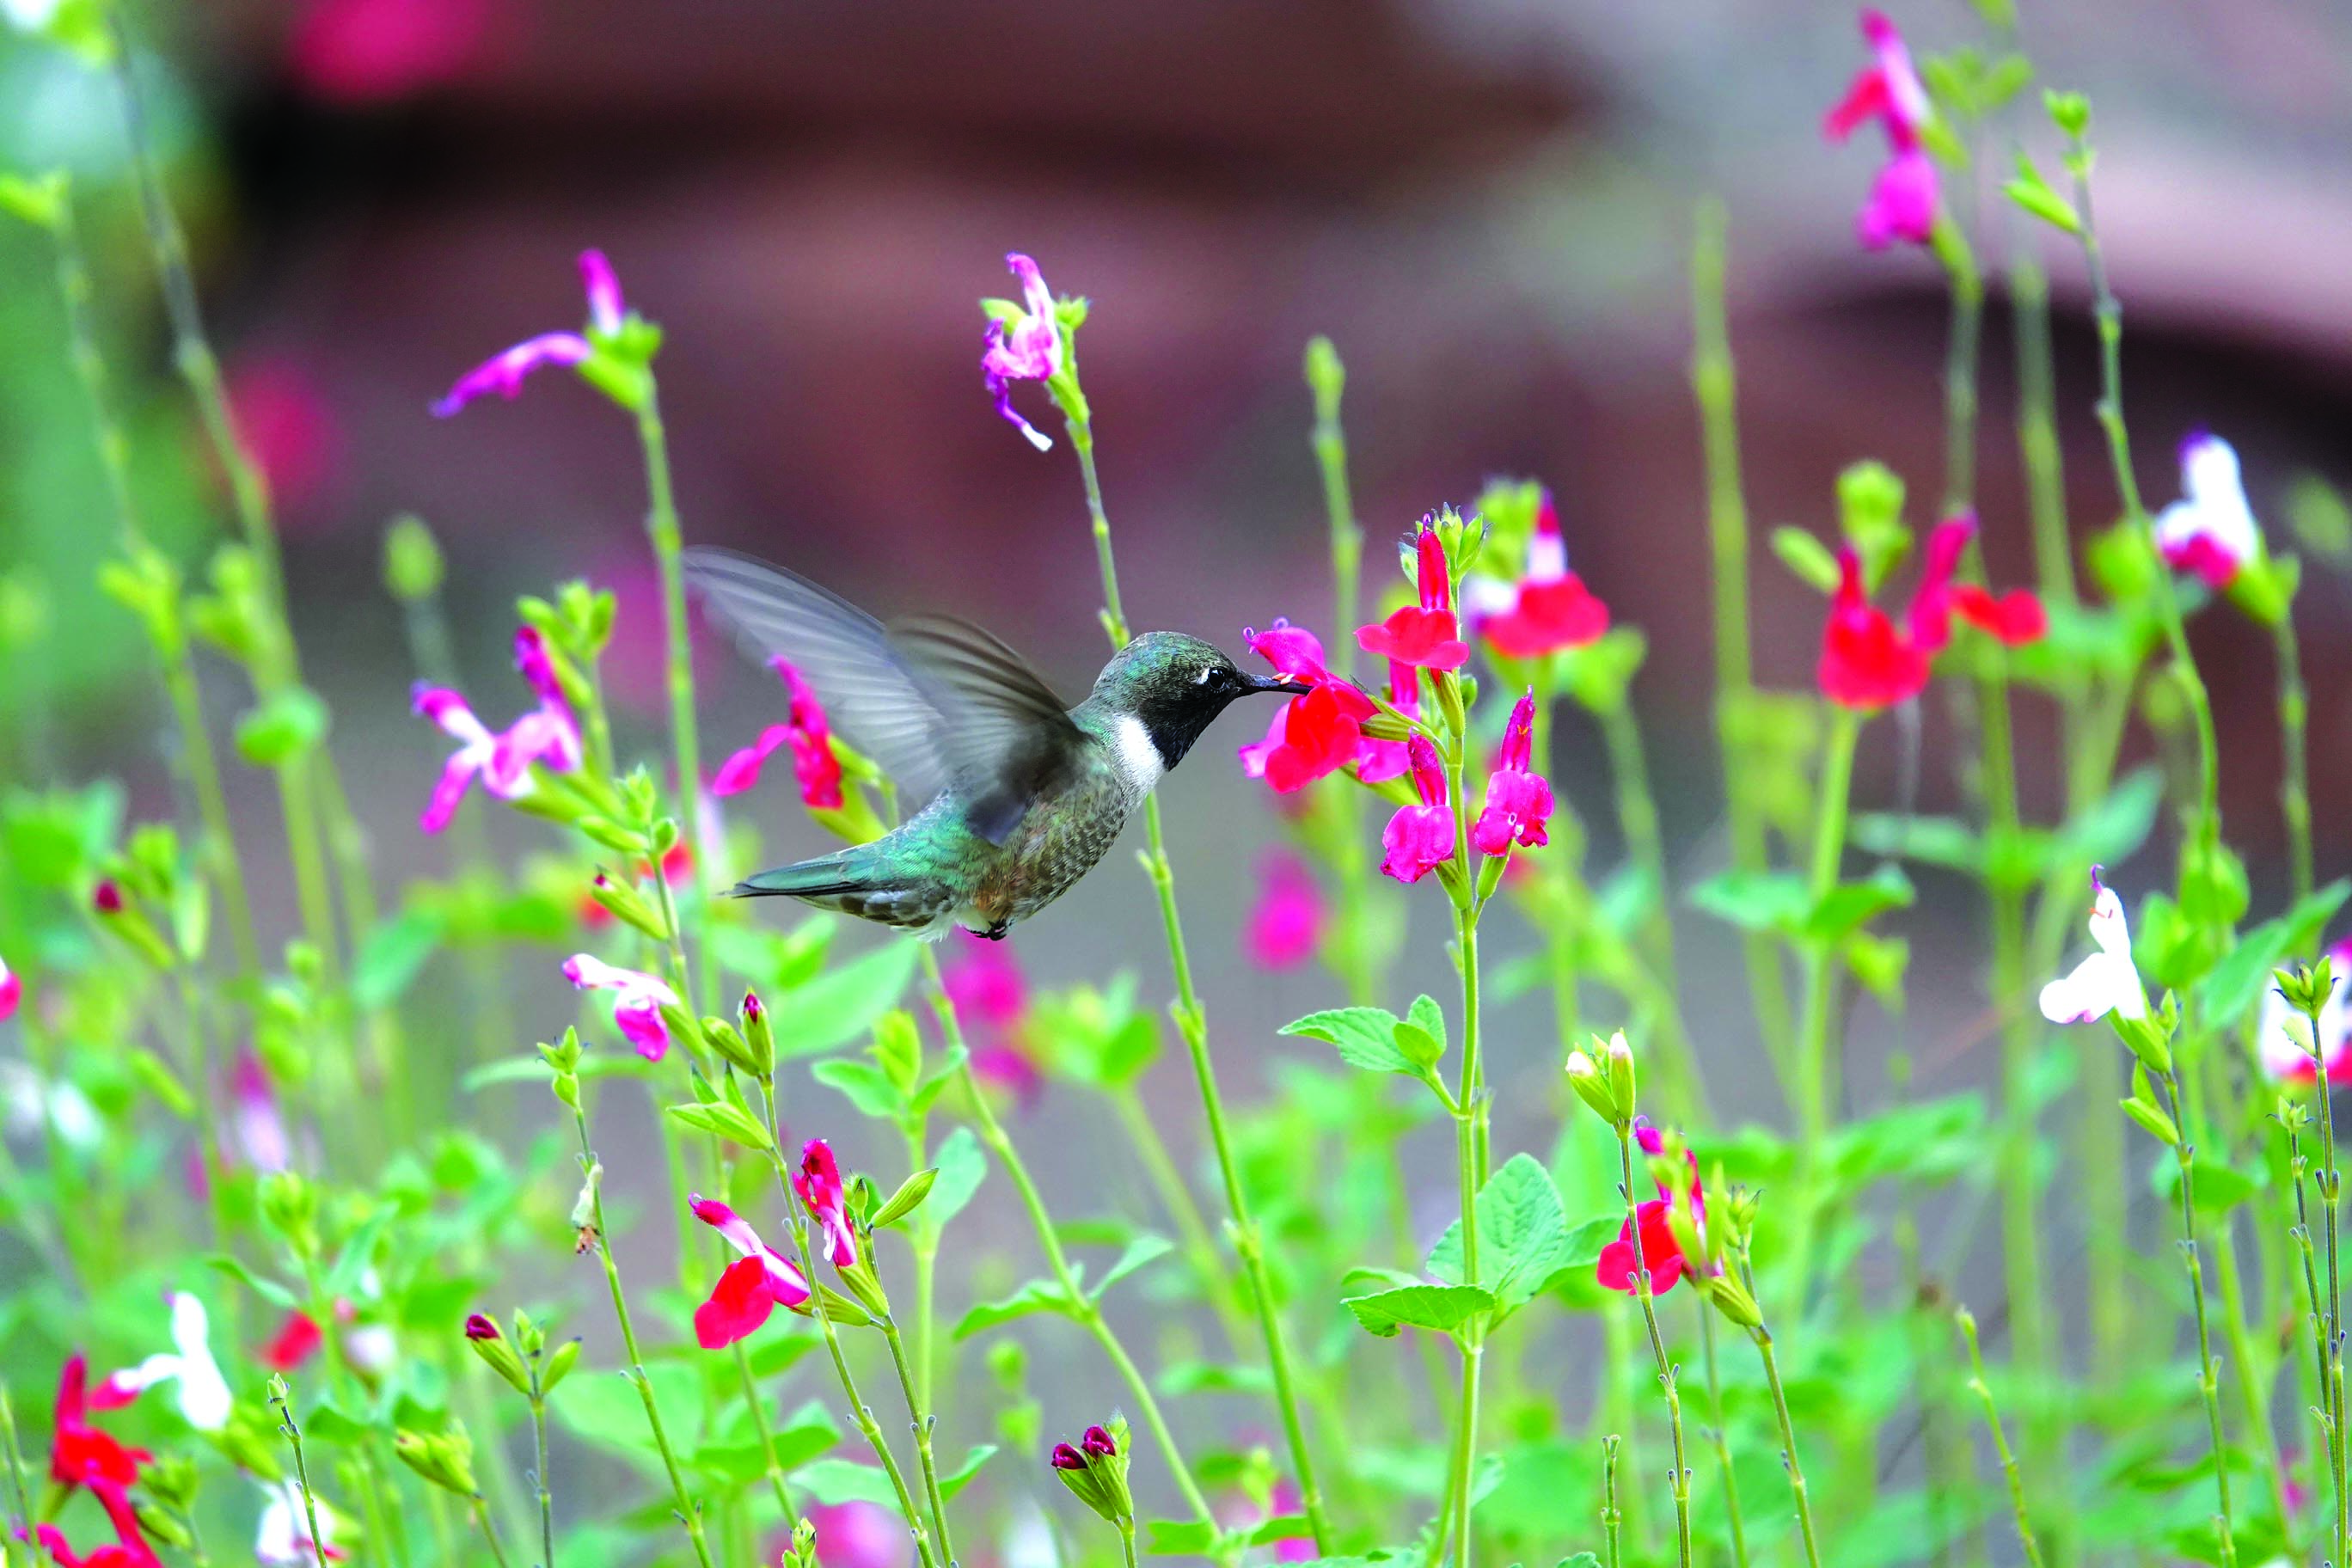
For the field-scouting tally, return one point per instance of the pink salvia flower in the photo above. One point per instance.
(751, 1286)
(1286, 924)
(637, 1001)
(1293, 651)
(2211, 530)
(1903, 198)
(504, 372)
(1423, 635)
(805, 730)
(12, 991)
(1030, 351)
(1518, 802)
(503, 759)
(818, 1181)
(255, 1124)
(1420, 838)
(1547, 610)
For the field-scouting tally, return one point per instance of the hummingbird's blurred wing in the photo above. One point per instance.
(931, 699)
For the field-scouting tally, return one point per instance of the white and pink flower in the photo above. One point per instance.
(204, 1399)
(637, 1001)
(1904, 198)
(753, 1287)
(2105, 982)
(2210, 530)
(1030, 350)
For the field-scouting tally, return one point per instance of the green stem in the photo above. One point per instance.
(667, 537)
(1613, 1520)
(1668, 1378)
(1814, 1089)
(1715, 384)
(921, 1418)
(1951, 245)
(1176, 1198)
(1637, 817)
(15, 1477)
(539, 1472)
(2322, 1337)
(1763, 1338)
(2208, 1373)
(1983, 1391)
(1715, 1429)
(1469, 1119)
(2330, 1183)
(286, 1424)
(489, 1532)
(776, 1481)
(689, 1514)
(923, 1237)
(1083, 1307)
(2294, 789)
(2037, 431)
(1191, 1018)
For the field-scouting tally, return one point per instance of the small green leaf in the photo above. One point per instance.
(961, 1167)
(1806, 557)
(1143, 1250)
(1034, 1297)
(284, 727)
(1179, 1538)
(1366, 1038)
(955, 1481)
(268, 1290)
(1756, 901)
(867, 1086)
(841, 1003)
(1523, 1234)
(393, 953)
(832, 1482)
(1443, 1308)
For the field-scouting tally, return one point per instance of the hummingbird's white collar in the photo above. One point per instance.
(1139, 754)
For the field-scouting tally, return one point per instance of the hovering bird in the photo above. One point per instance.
(1024, 795)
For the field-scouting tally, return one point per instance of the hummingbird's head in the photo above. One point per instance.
(1175, 685)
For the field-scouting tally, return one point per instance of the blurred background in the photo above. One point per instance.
(1487, 204)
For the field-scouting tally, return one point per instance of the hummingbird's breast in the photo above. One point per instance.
(1058, 840)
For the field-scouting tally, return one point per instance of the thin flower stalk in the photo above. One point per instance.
(2209, 1376)
(2324, 1346)
(1950, 243)
(1714, 385)
(1762, 1335)
(2329, 1181)
(1983, 1391)
(1192, 1016)
(922, 1421)
(689, 1515)
(539, 1465)
(1716, 1436)
(481, 1512)
(15, 1458)
(2294, 722)
(1669, 1379)
(1821, 968)
(1191, 1228)
(280, 1397)
(758, 1408)
(1088, 1314)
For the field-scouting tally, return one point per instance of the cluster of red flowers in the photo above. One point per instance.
(1869, 662)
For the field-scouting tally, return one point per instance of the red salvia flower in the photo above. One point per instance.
(1423, 635)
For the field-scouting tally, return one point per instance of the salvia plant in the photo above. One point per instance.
(284, 1285)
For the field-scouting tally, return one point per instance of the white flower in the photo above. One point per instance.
(205, 1398)
(2105, 981)
(283, 1539)
(2211, 530)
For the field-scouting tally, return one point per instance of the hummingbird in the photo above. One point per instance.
(1023, 793)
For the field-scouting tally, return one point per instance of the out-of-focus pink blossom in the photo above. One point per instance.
(818, 1183)
(2210, 530)
(637, 1001)
(256, 1125)
(860, 1535)
(12, 991)
(504, 372)
(1285, 923)
(357, 52)
(1030, 350)
(1420, 838)
(1549, 607)
(1423, 635)
(1518, 802)
(1288, 1501)
(286, 424)
(1903, 198)
(814, 767)
(754, 1285)
(991, 998)
(297, 1339)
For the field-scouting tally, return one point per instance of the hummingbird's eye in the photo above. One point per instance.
(1208, 672)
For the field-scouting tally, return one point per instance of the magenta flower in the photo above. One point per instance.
(986, 987)
(379, 51)
(12, 991)
(502, 759)
(1903, 198)
(818, 1181)
(1284, 1501)
(1420, 838)
(753, 1287)
(637, 1001)
(1030, 351)
(1286, 924)
(859, 1534)
(1518, 802)
(504, 372)
(1549, 608)
(805, 730)
(1293, 651)
(255, 1124)
(2211, 530)
(1423, 635)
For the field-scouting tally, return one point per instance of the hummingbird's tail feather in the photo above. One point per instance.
(858, 881)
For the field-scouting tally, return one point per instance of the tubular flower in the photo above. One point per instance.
(79, 1453)
(502, 759)
(1869, 662)
(1377, 761)
(1903, 198)
(2284, 1058)
(282, 1540)
(204, 1399)
(1420, 838)
(753, 1286)
(12, 991)
(1286, 924)
(1661, 1252)
(1549, 608)
(805, 730)
(2105, 981)
(2211, 530)
(2015, 617)
(637, 1005)
(504, 372)
(1030, 350)
(1424, 635)
(1519, 803)
(818, 1183)
(129, 1549)
(1312, 735)
(256, 1125)
(297, 1340)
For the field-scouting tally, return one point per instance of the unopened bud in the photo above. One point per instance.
(1591, 1086)
(1619, 1056)
(443, 1459)
(759, 1038)
(497, 1352)
(413, 567)
(624, 902)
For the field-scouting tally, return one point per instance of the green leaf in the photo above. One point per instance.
(962, 1165)
(1366, 1038)
(261, 1285)
(1281, 1527)
(2219, 1187)
(1756, 901)
(326, 1423)
(2030, 192)
(159, 1081)
(832, 1482)
(1522, 1234)
(866, 1085)
(1806, 557)
(1944, 841)
(605, 1411)
(841, 1003)
(1143, 1250)
(393, 953)
(2112, 828)
(1443, 1308)
(1851, 905)
(1179, 1538)
(1035, 1296)
(2242, 976)
(955, 1481)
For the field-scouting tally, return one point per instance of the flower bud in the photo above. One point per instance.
(1095, 1471)
(443, 1459)
(413, 567)
(624, 902)
(560, 1363)
(1617, 1055)
(497, 1352)
(1098, 1443)
(1591, 1086)
(759, 1039)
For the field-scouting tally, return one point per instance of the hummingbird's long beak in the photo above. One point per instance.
(1279, 683)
